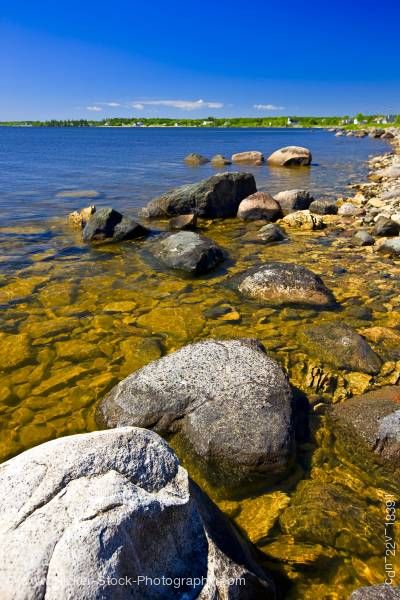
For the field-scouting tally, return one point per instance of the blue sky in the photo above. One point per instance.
(73, 59)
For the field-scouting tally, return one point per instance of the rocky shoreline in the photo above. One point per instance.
(103, 497)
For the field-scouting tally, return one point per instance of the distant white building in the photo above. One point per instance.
(356, 121)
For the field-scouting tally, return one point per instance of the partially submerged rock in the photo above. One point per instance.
(220, 161)
(386, 227)
(339, 345)
(195, 159)
(292, 200)
(230, 402)
(271, 233)
(189, 252)
(260, 205)
(375, 418)
(252, 156)
(188, 221)
(284, 283)
(79, 218)
(85, 516)
(108, 225)
(391, 246)
(363, 238)
(303, 219)
(218, 196)
(290, 156)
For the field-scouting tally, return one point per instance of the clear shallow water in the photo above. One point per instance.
(128, 166)
(75, 320)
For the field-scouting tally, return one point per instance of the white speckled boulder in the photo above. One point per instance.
(83, 517)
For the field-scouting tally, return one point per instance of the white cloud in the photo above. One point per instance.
(94, 108)
(268, 107)
(181, 104)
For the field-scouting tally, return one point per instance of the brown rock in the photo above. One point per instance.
(291, 156)
(183, 222)
(79, 218)
(252, 156)
(259, 206)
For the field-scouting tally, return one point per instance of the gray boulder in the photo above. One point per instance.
(189, 252)
(323, 207)
(391, 246)
(271, 233)
(375, 418)
(284, 283)
(290, 156)
(386, 227)
(340, 346)
(230, 402)
(259, 206)
(376, 592)
(85, 516)
(218, 196)
(292, 200)
(363, 238)
(108, 225)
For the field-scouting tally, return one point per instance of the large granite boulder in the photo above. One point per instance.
(230, 402)
(373, 417)
(291, 156)
(292, 200)
(189, 252)
(108, 225)
(339, 345)
(260, 205)
(252, 156)
(284, 283)
(376, 592)
(218, 196)
(91, 516)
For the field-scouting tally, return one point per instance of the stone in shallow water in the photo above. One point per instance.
(331, 515)
(188, 221)
(391, 246)
(14, 350)
(90, 509)
(290, 156)
(120, 306)
(259, 206)
(20, 288)
(108, 225)
(181, 323)
(292, 200)
(195, 159)
(303, 219)
(218, 196)
(189, 252)
(323, 207)
(284, 283)
(231, 403)
(374, 417)
(340, 346)
(363, 238)
(251, 156)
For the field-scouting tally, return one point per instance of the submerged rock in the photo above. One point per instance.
(290, 156)
(292, 200)
(218, 196)
(303, 219)
(375, 418)
(79, 218)
(188, 251)
(108, 225)
(323, 207)
(195, 159)
(271, 233)
(259, 206)
(284, 283)
(252, 156)
(231, 403)
(340, 346)
(94, 512)
(183, 222)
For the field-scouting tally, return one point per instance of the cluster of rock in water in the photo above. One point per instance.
(117, 503)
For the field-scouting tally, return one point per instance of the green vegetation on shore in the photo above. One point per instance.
(358, 121)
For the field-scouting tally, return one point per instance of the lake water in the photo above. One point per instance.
(75, 320)
(128, 166)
